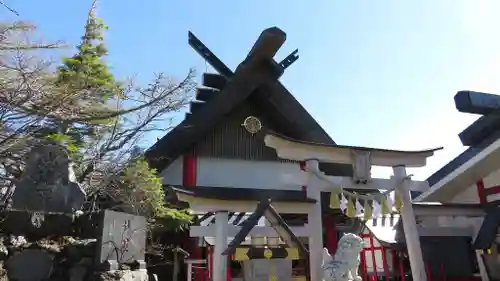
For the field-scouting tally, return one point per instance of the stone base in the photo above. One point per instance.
(18, 222)
(113, 265)
(122, 275)
(26, 260)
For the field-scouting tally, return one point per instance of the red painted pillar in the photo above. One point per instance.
(374, 260)
(363, 265)
(331, 234)
(228, 268)
(394, 263)
(209, 262)
(402, 268)
(385, 263)
(189, 171)
(443, 273)
(428, 270)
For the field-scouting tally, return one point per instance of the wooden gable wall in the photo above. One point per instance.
(229, 139)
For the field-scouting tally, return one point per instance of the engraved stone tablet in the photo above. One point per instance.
(47, 183)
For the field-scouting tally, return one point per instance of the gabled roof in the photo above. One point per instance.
(256, 76)
(461, 159)
(480, 135)
(264, 208)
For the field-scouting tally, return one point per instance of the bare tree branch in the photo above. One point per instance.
(104, 135)
(9, 8)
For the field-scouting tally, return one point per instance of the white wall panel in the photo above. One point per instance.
(249, 174)
(468, 196)
(173, 173)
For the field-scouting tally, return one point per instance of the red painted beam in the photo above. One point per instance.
(481, 192)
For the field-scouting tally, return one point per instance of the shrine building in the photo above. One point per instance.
(217, 159)
(211, 153)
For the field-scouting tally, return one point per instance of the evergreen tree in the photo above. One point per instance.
(86, 70)
(88, 77)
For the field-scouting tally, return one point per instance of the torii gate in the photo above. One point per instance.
(361, 158)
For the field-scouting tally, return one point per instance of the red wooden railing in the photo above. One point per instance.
(398, 272)
(203, 273)
(200, 273)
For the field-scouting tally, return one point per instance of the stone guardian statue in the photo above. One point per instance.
(344, 265)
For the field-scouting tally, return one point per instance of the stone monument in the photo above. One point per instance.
(122, 240)
(344, 265)
(48, 183)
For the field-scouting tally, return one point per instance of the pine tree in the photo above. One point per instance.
(86, 70)
(86, 74)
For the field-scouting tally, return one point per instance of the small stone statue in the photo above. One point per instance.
(344, 265)
(47, 183)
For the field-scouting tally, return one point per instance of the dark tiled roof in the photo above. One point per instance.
(250, 78)
(461, 159)
(479, 135)
(264, 208)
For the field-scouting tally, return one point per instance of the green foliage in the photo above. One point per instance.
(171, 220)
(143, 189)
(87, 69)
(67, 140)
(88, 77)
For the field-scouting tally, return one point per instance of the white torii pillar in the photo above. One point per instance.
(220, 261)
(410, 226)
(361, 159)
(314, 220)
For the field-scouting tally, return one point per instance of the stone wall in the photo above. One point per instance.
(47, 235)
(65, 258)
(38, 255)
(60, 259)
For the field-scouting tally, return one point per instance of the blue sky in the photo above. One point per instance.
(373, 73)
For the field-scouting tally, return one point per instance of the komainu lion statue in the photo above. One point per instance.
(344, 265)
